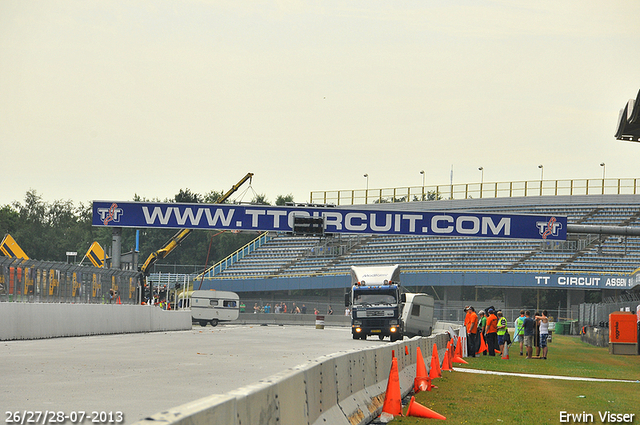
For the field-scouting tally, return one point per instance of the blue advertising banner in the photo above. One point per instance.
(337, 220)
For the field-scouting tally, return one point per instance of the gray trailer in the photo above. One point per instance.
(417, 315)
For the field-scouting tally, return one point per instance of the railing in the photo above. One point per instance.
(573, 187)
(223, 264)
(52, 282)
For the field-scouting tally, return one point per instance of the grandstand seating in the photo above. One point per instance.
(286, 256)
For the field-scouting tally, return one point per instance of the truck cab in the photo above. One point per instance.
(375, 300)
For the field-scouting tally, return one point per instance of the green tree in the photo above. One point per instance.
(186, 196)
(260, 199)
(282, 200)
(9, 220)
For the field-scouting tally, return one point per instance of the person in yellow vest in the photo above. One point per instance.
(502, 330)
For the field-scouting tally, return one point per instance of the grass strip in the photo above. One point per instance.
(466, 398)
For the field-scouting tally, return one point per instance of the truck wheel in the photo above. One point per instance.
(203, 323)
(214, 322)
(355, 336)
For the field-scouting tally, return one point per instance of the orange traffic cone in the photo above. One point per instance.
(119, 302)
(435, 371)
(446, 361)
(505, 353)
(459, 348)
(457, 357)
(392, 398)
(422, 382)
(419, 411)
(406, 350)
(483, 345)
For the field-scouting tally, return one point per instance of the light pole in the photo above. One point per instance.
(481, 179)
(604, 167)
(366, 193)
(423, 179)
(541, 167)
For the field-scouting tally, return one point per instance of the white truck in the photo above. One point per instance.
(380, 307)
(214, 306)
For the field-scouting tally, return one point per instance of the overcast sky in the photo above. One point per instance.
(108, 99)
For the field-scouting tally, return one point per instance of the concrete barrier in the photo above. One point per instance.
(49, 320)
(290, 319)
(345, 388)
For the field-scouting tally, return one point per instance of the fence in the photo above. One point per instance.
(53, 282)
(571, 187)
(598, 314)
(457, 315)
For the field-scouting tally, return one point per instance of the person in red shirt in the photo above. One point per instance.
(471, 323)
(491, 332)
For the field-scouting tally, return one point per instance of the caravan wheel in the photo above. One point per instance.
(214, 322)
(203, 323)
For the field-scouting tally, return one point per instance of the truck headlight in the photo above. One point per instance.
(357, 322)
(393, 329)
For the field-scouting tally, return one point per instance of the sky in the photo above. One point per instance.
(105, 100)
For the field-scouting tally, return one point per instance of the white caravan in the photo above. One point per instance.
(417, 315)
(214, 306)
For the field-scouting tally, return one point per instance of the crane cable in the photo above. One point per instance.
(207, 262)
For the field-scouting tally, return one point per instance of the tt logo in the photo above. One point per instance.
(113, 213)
(549, 228)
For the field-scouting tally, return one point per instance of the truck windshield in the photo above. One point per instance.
(375, 297)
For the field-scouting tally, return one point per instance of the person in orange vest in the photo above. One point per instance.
(471, 323)
(491, 332)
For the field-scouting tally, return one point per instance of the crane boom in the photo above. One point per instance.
(181, 235)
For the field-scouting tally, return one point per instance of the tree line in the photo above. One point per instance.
(48, 230)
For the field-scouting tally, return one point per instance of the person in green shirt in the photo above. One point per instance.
(482, 322)
(519, 333)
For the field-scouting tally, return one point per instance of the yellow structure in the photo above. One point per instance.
(10, 248)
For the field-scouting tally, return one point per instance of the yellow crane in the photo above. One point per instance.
(10, 248)
(177, 239)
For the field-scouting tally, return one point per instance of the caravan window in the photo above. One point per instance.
(415, 310)
(229, 303)
(213, 302)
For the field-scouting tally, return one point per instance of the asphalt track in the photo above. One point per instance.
(143, 374)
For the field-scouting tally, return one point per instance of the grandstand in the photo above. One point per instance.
(582, 263)
(286, 256)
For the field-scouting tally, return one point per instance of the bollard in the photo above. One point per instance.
(319, 322)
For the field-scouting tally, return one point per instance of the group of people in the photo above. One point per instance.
(533, 332)
(492, 325)
(280, 308)
(283, 308)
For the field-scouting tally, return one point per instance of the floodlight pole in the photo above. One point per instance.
(541, 167)
(366, 193)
